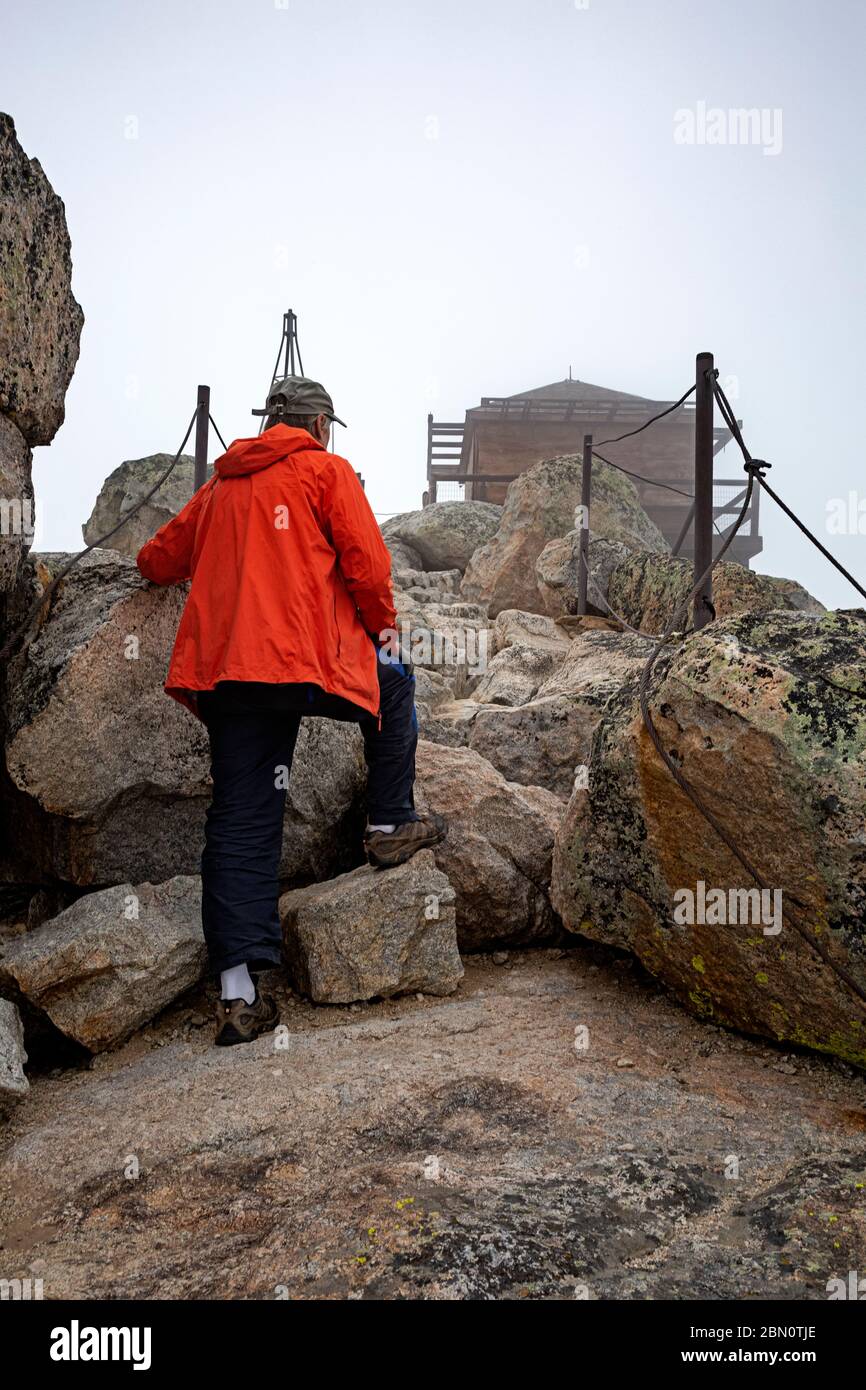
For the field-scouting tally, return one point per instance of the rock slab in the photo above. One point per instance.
(373, 934)
(498, 850)
(765, 714)
(445, 534)
(124, 488)
(645, 589)
(112, 961)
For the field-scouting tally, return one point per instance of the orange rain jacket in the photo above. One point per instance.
(290, 575)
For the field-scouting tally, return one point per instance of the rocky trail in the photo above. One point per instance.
(571, 1051)
(455, 1148)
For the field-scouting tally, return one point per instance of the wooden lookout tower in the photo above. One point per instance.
(477, 458)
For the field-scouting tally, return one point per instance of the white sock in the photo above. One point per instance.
(236, 984)
(387, 829)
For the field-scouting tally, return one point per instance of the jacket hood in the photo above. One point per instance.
(245, 456)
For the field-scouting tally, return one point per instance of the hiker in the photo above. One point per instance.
(290, 612)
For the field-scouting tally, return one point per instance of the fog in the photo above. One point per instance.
(457, 200)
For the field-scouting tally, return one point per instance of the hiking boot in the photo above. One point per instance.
(384, 850)
(240, 1022)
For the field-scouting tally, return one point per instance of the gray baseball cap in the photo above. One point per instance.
(298, 395)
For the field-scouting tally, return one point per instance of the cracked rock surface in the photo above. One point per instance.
(457, 1148)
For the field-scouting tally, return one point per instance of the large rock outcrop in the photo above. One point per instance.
(646, 589)
(497, 854)
(457, 1149)
(445, 534)
(112, 961)
(40, 321)
(360, 936)
(108, 778)
(125, 487)
(765, 714)
(540, 506)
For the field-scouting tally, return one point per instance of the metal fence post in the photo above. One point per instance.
(430, 494)
(704, 401)
(583, 538)
(201, 430)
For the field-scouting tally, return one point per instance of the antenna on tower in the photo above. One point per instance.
(288, 351)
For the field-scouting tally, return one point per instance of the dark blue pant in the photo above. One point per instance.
(253, 728)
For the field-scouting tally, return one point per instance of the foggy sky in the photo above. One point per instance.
(458, 199)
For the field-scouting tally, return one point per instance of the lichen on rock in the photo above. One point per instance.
(40, 320)
(765, 714)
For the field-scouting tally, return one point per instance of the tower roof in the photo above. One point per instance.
(572, 390)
